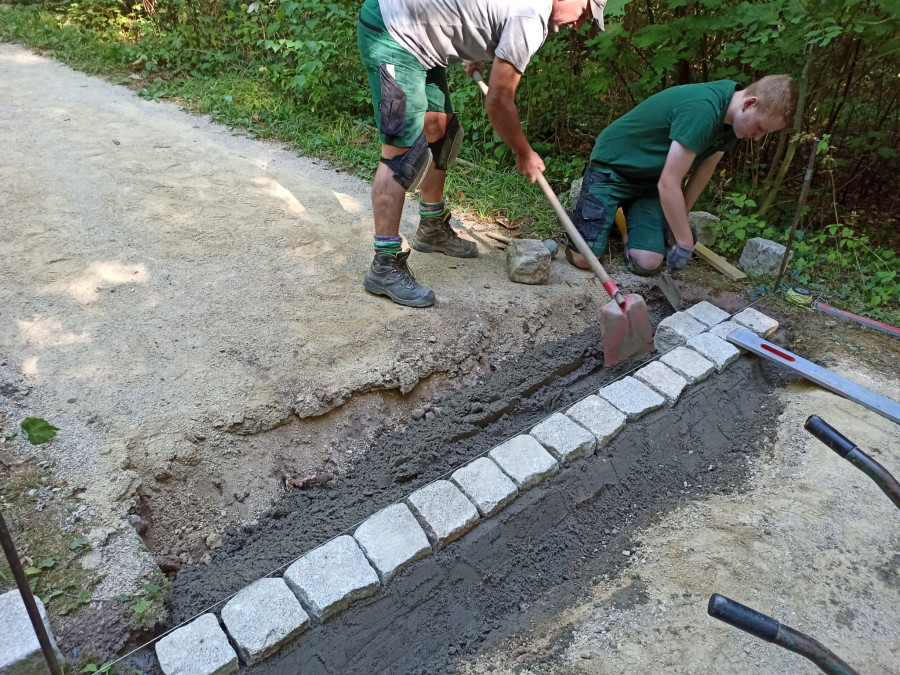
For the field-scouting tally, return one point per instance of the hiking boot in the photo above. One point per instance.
(390, 275)
(436, 236)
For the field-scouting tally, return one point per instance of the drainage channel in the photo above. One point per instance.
(529, 561)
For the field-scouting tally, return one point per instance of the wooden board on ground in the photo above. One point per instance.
(718, 262)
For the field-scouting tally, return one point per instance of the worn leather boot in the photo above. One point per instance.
(436, 236)
(390, 275)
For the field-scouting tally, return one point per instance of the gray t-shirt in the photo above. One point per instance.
(441, 32)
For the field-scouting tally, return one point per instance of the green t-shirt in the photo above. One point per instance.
(636, 145)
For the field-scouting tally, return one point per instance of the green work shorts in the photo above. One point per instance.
(603, 192)
(402, 90)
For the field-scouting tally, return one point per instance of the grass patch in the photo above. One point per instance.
(40, 518)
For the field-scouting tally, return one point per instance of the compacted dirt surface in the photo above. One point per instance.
(185, 305)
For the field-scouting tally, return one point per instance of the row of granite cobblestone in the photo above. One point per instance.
(269, 613)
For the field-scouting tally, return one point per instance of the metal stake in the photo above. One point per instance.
(22, 582)
(807, 178)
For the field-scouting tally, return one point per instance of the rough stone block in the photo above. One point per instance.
(331, 577)
(565, 439)
(262, 618)
(676, 330)
(722, 330)
(632, 397)
(689, 364)
(444, 512)
(199, 648)
(20, 651)
(707, 313)
(703, 224)
(485, 485)
(527, 261)
(662, 379)
(525, 461)
(756, 322)
(392, 539)
(599, 417)
(762, 257)
(715, 349)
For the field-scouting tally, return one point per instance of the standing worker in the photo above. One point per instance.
(640, 161)
(406, 45)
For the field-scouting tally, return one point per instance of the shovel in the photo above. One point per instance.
(624, 322)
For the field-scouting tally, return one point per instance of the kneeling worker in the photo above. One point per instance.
(640, 161)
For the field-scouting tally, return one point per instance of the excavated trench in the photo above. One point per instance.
(534, 558)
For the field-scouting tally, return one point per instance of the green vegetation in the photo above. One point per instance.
(289, 69)
(38, 516)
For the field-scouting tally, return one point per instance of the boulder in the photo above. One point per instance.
(762, 257)
(528, 261)
(703, 224)
(570, 199)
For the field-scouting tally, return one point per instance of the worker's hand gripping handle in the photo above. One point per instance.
(829, 435)
(740, 616)
(480, 82)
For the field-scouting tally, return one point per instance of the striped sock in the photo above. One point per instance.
(392, 245)
(427, 209)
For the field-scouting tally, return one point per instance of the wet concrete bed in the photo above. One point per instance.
(533, 558)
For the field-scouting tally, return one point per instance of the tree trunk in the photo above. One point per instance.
(772, 192)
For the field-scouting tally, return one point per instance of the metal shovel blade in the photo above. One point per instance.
(625, 329)
(671, 291)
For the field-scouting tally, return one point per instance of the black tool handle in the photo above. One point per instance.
(740, 616)
(829, 435)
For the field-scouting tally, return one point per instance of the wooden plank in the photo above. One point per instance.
(718, 262)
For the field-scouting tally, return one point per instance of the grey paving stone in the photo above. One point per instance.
(444, 512)
(689, 364)
(756, 322)
(199, 648)
(331, 577)
(262, 618)
(707, 313)
(392, 539)
(20, 651)
(632, 397)
(525, 461)
(485, 485)
(723, 329)
(662, 379)
(676, 330)
(599, 417)
(566, 440)
(762, 257)
(715, 349)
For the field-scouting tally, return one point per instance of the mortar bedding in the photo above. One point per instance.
(529, 561)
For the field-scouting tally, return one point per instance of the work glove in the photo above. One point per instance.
(678, 258)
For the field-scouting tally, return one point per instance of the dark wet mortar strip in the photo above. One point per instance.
(524, 566)
(470, 593)
(471, 422)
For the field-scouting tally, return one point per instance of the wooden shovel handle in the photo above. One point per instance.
(580, 243)
(574, 235)
(479, 80)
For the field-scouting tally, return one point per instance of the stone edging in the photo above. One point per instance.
(269, 613)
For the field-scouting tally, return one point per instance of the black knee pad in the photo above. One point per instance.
(445, 150)
(411, 166)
